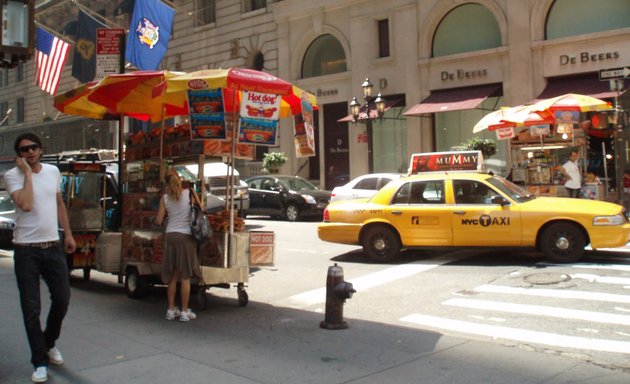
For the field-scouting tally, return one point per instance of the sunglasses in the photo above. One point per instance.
(26, 148)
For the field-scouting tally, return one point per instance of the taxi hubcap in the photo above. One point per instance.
(562, 243)
(379, 244)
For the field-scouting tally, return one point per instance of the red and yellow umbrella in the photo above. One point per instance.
(572, 102)
(232, 81)
(131, 94)
(511, 117)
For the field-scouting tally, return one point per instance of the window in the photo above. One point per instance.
(369, 183)
(206, 11)
(383, 38)
(252, 5)
(467, 28)
(19, 72)
(420, 192)
(472, 192)
(324, 56)
(19, 113)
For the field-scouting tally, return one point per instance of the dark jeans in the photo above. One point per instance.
(573, 192)
(31, 263)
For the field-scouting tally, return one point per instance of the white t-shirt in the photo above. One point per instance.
(572, 170)
(178, 213)
(41, 223)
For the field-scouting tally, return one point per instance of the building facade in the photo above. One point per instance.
(440, 65)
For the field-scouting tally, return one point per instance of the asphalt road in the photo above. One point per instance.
(433, 316)
(511, 297)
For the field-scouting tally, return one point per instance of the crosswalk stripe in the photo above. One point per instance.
(372, 280)
(582, 295)
(601, 279)
(612, 267)
(540, 310)
(516, 334)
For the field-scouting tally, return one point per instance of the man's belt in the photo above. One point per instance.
(43, 245)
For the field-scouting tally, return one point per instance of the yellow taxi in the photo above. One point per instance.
(472, 209)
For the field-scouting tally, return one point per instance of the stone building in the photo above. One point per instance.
(440, 65)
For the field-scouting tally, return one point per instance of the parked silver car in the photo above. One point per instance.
(363, 186)
(7, 220)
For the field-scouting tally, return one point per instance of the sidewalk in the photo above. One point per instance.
(108, 338)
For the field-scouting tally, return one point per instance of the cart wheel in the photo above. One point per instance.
(86, 273)
(135, 285)
(202, 298)
(243, 297)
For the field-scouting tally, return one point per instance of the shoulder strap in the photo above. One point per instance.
(193, 197)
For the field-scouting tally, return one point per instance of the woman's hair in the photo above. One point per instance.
(173, 185)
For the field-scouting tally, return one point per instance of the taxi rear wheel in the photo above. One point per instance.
(381, 243)
(563, 243)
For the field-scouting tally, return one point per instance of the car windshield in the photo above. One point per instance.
(296, 184)
(515, 192)
(6, 204)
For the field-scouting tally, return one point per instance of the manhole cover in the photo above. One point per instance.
(543, 278)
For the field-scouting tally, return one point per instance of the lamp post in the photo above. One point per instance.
(6, 116)
(355, 109)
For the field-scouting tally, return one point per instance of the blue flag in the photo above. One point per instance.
(149, 32)
(84, 62)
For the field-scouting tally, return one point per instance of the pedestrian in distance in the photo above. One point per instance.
(572, 175)
(36, 190)
(180, 260)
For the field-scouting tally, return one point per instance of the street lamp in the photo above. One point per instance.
(6, 116)
(355, 110)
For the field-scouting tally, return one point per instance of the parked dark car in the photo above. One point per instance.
(7, 220)
(291, 197)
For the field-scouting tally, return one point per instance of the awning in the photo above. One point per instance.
(373, 112)
(455, 99)
(584, 84)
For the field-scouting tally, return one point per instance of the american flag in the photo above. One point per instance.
(51, 57)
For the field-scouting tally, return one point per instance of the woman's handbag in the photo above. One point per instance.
(199, 224)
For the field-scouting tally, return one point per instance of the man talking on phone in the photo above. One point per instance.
(35, 189)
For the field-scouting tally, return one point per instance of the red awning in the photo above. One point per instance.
(455, 99)
(373, 112)
(584, 84)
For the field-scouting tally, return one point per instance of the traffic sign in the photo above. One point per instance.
(614, 73)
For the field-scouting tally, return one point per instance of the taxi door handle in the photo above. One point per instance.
(396, 212)
(459, 212)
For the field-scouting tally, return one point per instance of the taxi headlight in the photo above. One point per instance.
(609, 220)
(309, 199)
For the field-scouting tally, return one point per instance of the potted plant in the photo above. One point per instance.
(272, 161)
(488, 147)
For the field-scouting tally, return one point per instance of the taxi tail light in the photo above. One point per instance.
(326, 215)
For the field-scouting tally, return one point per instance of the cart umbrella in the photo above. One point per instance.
(572, 102)
(231, 80)
(130, 94)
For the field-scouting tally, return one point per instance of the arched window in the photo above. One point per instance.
(570, 17)
(469, 27)
(324, 56)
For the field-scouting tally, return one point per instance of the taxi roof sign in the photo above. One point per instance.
(471, 161)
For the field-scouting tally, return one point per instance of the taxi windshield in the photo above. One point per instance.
(515, 192)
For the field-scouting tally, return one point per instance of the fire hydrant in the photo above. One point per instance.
(337, 291)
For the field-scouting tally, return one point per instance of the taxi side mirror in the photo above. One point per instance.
(500, 200)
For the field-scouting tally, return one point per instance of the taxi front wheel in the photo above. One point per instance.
(381, 243)
(563, 243)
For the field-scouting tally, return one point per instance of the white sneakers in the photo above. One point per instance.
(40, 375)
(184, 316)
(171, 314)
(54, 356)
(187, 315)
